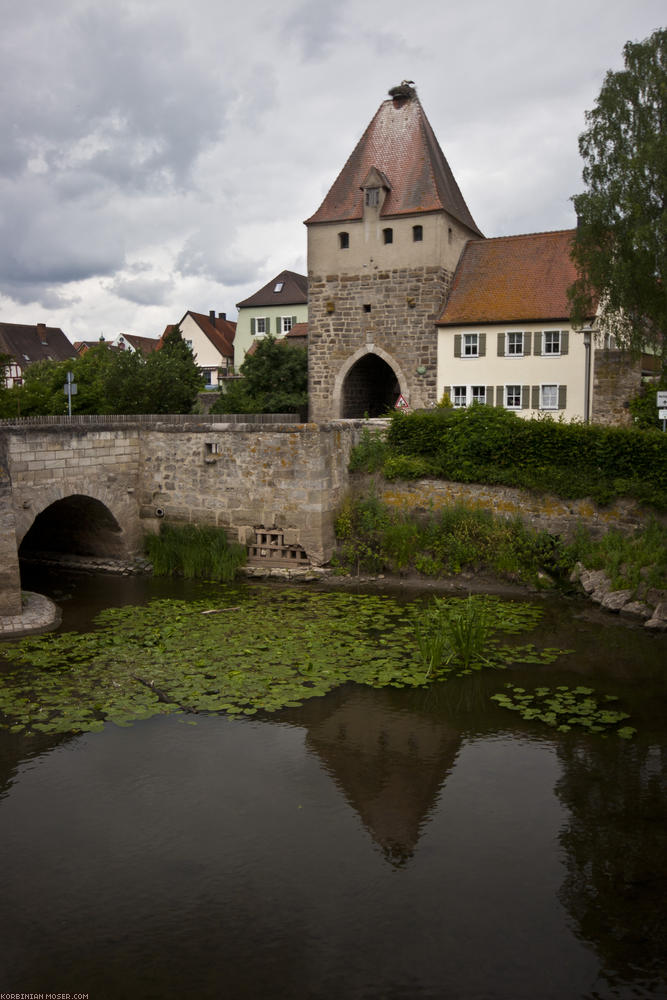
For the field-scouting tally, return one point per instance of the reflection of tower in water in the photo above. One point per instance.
(390, 762)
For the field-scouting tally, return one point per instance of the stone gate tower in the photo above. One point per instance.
(382, 250)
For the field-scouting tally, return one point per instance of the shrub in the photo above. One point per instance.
(192, 551)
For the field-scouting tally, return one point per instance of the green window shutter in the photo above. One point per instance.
(500, 393)
(448, 391)
(267, 324)
(457, 345)
(562, 397)
(564, 341)
(525, 397)
(294, 321)
(489, 395)
(526, 344)
(537, 343)
(252, 326)
(535, 402)
(501, 345)
(482, 345)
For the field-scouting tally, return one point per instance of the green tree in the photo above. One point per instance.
(275, 380)
(621, 239)
(172, 377)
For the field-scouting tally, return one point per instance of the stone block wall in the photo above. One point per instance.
(10, 581)
(246, 476)
(400, 326)
(616, 379)
(51, 462)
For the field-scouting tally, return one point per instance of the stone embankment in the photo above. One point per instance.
(649, 604)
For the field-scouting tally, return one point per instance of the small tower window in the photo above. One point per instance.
(367, 307)
(388, 235)
(373, 197)
(344, 241)
(417, 234)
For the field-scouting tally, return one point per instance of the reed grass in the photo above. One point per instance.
(193, 551)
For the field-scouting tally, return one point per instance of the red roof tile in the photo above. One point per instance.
(512, 278)
(401, 144)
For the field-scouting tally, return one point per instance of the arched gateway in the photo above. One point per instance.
(77, 525)
(368, 385)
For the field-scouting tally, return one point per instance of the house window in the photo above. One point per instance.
(285, 324)
(388, 235)
(513, 397)
(460, 395)
(417, 234)
(515, 345)
(188, 343)
(372, 197)
(470, 345)
(208, 377)
(552, 342)
(344, 241)
(279, 285)
(548, 397)
(478, 393)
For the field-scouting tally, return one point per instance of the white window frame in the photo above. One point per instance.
(470, 345)
(511, 350)
(260, 326)
(465, 395)
(513, 391)
(279, 285)
(546, 390)
(285, 324)
(548, 351)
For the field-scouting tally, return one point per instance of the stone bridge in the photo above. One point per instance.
(95, 486)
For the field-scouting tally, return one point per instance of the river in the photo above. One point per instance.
(371, 844)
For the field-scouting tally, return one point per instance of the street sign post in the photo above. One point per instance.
(70, 389)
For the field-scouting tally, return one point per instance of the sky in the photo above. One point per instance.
(160, 156)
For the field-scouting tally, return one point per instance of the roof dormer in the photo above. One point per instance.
(376, 187)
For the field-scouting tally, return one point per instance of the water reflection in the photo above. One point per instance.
(389, 761)
(616, 855)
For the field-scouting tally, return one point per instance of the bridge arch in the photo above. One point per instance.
(368, 383)
(77, 525)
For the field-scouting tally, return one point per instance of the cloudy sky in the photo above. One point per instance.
(158, 156)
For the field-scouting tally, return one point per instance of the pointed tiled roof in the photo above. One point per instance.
(144, 345)
(512, 278)
(293, 291)
(401, 144)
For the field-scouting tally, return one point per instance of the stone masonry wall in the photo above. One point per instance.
(616, 379)
(542, 513)
(291, 477)
(49, 463)
(404, 306)
(10, 581)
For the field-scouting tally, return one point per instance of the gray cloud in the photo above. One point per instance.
(196, 138)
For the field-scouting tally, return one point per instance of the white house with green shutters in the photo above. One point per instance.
(274, 310)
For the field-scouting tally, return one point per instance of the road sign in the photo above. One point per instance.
(662, 414)
(661, 399)
(402, 403)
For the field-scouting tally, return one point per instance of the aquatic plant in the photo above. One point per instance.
(193, 551)
(233, 652)
(563, 708)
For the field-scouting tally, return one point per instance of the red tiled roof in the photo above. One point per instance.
(299, 330)
(144, 345)
(27, 344)
(512, 278)
(294, 291)
(220, 332)
(401, 144)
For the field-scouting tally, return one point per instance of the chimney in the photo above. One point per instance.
(211, 316)
(41, 332)
(222, 315)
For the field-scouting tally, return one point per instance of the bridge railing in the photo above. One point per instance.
(183, 419)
